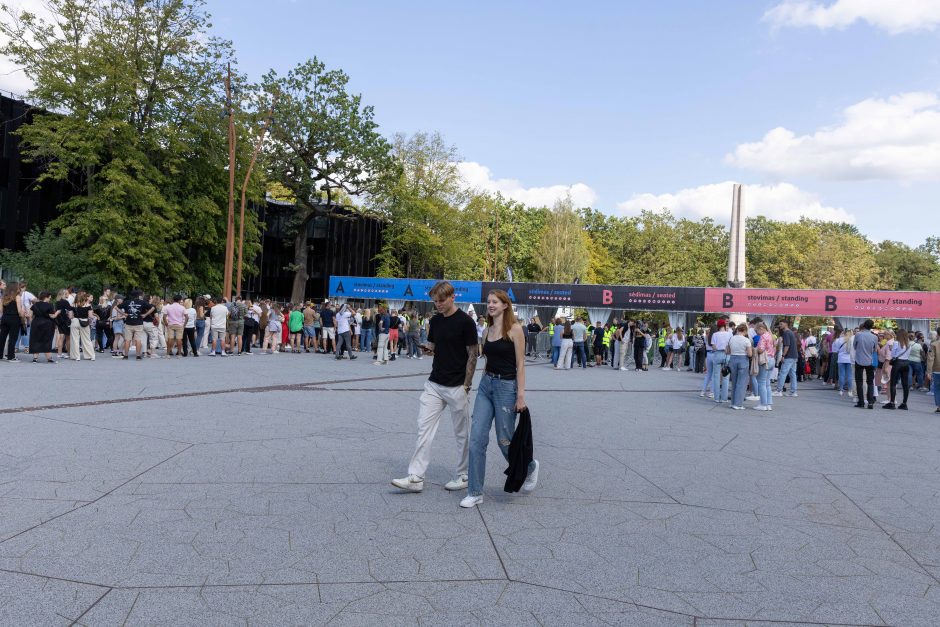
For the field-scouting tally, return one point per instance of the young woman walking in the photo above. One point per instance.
(500, 396)
(567, 348)
(43, 328)
(80, 331)
(900, 368)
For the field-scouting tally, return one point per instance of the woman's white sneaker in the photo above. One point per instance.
(533, 479)
(471, 501)
(411, 483)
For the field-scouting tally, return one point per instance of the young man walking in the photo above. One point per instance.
(452, 337)
(865, 344)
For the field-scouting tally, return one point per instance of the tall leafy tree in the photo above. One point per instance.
(324, 142)
(132, 94)
(562, 254)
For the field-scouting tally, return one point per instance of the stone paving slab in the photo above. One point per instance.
(255, 490)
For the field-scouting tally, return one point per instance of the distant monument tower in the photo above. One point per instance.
(736, 250)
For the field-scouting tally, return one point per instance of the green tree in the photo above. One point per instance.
(901, 267)
(562, 253)
(324, 141)
(49, 261)
(133, 95)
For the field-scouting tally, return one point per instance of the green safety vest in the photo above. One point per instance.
(551, 329)
(607, 335)
(662, 338)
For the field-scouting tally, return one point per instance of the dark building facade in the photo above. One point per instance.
(340, 241)
(23, 203)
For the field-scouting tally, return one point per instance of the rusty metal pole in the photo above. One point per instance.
(230, 225)
(241, 217)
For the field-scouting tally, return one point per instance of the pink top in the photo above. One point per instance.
(175, 315)
(767, 343)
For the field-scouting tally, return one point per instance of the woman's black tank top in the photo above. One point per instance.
(10, 311)
(500, 356)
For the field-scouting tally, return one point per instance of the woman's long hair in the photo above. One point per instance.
(12, 291)
(509, 316)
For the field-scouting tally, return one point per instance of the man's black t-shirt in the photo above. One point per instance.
(326, 318)
(135, 310)
(534, 328)
(451, 335)
(790, 348)
(394, 322)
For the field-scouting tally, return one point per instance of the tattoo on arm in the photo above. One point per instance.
(471, 365)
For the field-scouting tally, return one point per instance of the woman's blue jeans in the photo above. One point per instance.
(365, 340)
(495, 402)
(845, 376)
(200, 332)
(556, 352)
(763, 386)
(740, 372)
(936, 388)
(719, 383)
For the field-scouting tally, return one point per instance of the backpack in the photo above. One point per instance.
(236, 312)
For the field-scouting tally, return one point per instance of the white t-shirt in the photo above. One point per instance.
(342, 321)
(191, 318)
(739, 344)
(28, 299)
(218, 316)
(358, 322)
(676, 342)
(720, 339)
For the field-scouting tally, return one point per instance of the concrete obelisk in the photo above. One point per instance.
(736, 247)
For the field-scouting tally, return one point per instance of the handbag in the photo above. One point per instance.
(83, 322)
(755, 365)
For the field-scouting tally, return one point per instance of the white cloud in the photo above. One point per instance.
(782, 201)
(480, 178)
(894, 16)
(895, 139)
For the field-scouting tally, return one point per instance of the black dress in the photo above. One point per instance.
(43, 328)
(62, 321)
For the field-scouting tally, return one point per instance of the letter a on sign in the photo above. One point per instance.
(408, 291)
(339, 288)
(512, 297)
(727, 301)
(607, 297)
(831, 303)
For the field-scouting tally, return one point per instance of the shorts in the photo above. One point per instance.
(235, 327)
(393, 335)
(310, 331)
(135, 332)
(329, 333)
(174, 332)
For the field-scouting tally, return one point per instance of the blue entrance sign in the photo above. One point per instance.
(399, 289)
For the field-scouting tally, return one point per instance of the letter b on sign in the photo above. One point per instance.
(727, 301)
(607, 297)
(831, 304)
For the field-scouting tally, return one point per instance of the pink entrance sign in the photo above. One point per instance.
(828, 303)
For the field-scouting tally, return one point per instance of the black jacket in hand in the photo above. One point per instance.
(520, 453)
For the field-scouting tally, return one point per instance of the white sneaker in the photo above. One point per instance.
(759, 408)
(736, 407)
(841, 392)
(701, 394)
(458, 483)
(533, 479)
(752, 397)
(778, 393)
(471, 501)
(411, 483)
(792, 394)
(623, 368)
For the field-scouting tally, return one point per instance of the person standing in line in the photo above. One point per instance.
(719, 341)
(556, 341)
(578, 333)
(150, 329)
(367, 327)
(40, 338)
(866, 345)
(218, 321)
(678, 341)
(765, 359)
(501, 394)
(116, 316)
(598, 339)
(355, 325)
(80, 333)
(567, 344)
(481, 330)
(327, 328)
(382, 321)
(134, 335)
(453, 341)
(235, 326)
(11, 320)
(272, 330)
(252, 319)
(789, 355)
(26, 298)
(933, 367)
(310, 332)
(189, 329)
(344, 332)
(900, 369)
(532, 335)
(740, 349)
(844, 364)
(175, 317)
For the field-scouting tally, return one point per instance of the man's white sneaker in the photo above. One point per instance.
(701, 394)
(411, 483)
(736, 407)
(778, 394)
(793, 394)
(752, 397)
(471, 501)
(623, 368)
(760, 407)
(458, 483)
(533, 479)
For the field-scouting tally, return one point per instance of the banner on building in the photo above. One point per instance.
(373, 288)
(628, 297)
(826, 303)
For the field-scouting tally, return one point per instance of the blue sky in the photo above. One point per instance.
(630, 105)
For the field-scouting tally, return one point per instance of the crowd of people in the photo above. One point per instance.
(75, 325)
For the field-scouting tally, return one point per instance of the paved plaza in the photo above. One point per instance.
(255, 490)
